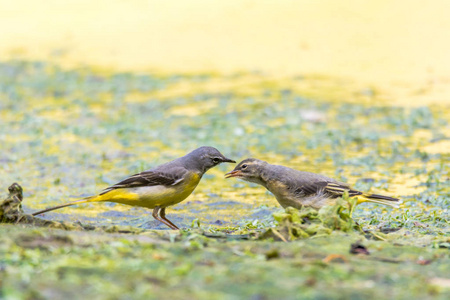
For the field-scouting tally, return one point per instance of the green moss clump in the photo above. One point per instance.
(299, 224)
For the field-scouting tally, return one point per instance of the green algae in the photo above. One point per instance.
(70, 133)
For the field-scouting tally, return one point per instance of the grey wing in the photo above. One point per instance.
(150, 178)
(305, 184)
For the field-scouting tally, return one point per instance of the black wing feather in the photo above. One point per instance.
(330, 189)
(311, 189)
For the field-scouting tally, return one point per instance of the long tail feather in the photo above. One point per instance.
(380, 199)
(84, 200)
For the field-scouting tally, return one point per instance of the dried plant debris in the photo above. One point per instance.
(11, 212)
(358, 248)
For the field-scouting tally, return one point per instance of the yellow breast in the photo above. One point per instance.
(153, 196)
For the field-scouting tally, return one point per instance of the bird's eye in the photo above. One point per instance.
(244, 166)
(216, 160)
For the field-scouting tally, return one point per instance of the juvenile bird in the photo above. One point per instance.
(160, 187)
(297, 188)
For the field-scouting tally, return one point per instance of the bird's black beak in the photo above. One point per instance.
(224, 159)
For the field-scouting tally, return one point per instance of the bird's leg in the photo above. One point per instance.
(155, 215)
(162, 214)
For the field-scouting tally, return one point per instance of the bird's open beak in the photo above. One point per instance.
(224, 159)
(234, 173)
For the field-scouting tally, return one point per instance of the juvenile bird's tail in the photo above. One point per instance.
(380, 199)
(81, 201)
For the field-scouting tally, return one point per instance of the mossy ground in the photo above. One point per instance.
(57, 264)
(70, 133)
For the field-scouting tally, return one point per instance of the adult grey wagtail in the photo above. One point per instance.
(160, 187)
(297, 188)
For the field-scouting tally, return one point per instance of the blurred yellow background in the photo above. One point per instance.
(401, 45)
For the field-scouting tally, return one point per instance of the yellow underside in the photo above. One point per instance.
(151, 197)
(362, 199)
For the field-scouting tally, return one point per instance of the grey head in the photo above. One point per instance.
(250, 169)
(204, 158)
